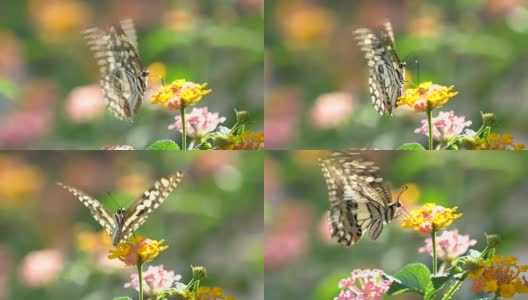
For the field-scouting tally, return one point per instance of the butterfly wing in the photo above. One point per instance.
(122, 77)
(385, 68)
(100, 214)
(358, 196)
(151, 199)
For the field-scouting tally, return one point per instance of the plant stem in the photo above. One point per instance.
(454, 288)
(496, 296)
(429, 121)
(435, 262)
(140, 277)
(184, 131)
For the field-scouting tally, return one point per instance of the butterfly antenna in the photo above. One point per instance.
(405, 188)
(113, 200)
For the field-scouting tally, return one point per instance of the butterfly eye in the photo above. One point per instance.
(121, 211)
(145, 73)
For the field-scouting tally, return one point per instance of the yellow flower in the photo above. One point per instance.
(426, 96)
(247, 141)
(137, 249)
(475, 268)
(496, 141)
(206, 293)
(180, 93)
(502, 277)
(430, 217)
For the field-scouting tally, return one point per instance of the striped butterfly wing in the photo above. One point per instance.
(123, 223)
(123, 79)
(386, 71)
(99, 213)
(360, 199)
(151, 199)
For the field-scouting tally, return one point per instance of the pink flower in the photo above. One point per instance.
(23, 127)
(332, 110)
(450, 245)
(445, 126)
(122, 147)
(41, 267)
(85, 103)
(198, 123)
(363, 285)
(155, 280)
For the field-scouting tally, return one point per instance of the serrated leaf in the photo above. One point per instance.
(412, 277)
(411, 146)
(164, 145)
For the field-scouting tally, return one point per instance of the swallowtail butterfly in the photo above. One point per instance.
(124, 222)
(386, 71)
(360, 199)
(123, 79)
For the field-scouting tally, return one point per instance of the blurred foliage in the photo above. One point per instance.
(213, 218)
(44, 61)
(488, 187)
(317, 95)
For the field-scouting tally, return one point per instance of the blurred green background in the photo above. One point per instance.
(316, 77)
(303, 262)
(213, 218)
(49, 82)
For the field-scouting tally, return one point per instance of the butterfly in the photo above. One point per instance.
(124, 222)
(386, 71)
(360, 199)
(123, 79)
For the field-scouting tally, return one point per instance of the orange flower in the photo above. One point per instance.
(137, 249)
(426, 96)
(247, 141)
(430, 217)
(502, 276)
(205, 293)
(496, 141)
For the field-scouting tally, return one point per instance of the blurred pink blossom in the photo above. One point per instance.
(332, 110)
(85, 103)
(288, 239)
(445, 126)
(41, 267)
(282, 247)
(198, 123)
(23, 127)
(283, 110)
(450, 245)
(122, 147)
(364, 285)
(155, 280)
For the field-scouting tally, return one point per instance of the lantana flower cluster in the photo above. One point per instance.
(448, 129)
(501, 276)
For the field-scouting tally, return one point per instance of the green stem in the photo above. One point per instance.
(235, 127)
(184, 131)
(435, 261)
(140, 278)
(454, 288)
(429, 121)
(496, 297)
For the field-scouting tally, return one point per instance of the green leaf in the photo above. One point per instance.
(164, 145)
(412, 277)
(122, 298)
(439, 281)
(411, 146)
